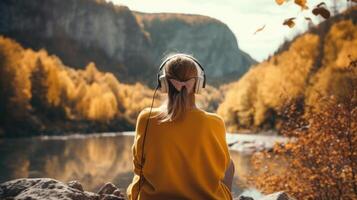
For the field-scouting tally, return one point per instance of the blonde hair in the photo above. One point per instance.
(181, 68)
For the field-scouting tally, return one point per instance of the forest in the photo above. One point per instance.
(314, 64)
(43, 96)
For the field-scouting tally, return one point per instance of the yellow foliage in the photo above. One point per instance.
(81, 94)
(313, 66)
(269, 84)
(334, 78)
(84, 94)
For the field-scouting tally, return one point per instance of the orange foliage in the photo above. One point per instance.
(268, 85)
(81, 94)
(321, 161)
(334, 78)
(313, 65)
(63, 93)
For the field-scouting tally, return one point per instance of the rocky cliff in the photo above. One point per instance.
(211, 41)
(126, 43)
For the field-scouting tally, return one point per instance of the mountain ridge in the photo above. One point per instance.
(84, 31)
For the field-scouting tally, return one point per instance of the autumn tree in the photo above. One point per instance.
(320, 162)
(39, 87)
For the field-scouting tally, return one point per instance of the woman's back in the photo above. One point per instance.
(184, 159)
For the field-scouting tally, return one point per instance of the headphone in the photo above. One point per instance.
(162, 84)
(162, 78)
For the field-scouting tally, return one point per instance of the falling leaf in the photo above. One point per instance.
(259, 29)
(308, 19)
(320, 4)
(289, 22)
(301, 3)
(318, 10)
(279, 2)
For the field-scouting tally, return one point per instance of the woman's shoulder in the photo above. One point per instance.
(214, 117)
(144, 113)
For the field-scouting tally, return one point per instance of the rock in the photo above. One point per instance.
(76, 185)
(245, 198)
(277, 196)
(118, 193)
(112, 197)
(42, 188)
(274, 196)
(107, 188)
(110, 192)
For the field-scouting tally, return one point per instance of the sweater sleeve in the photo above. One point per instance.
(138, 140)
(222, 134)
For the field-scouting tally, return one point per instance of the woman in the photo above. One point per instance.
(180, 151)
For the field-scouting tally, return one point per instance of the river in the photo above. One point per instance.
(98, 158)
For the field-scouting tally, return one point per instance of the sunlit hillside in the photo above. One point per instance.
(39, 94)
(312, 66)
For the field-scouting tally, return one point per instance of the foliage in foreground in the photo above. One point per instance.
(321, 162)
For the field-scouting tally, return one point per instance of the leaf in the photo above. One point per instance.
(279, 2)
(302, 4)
(259, 29)
(320, 4)
(289, 22)
(308, 19)
(321, 11)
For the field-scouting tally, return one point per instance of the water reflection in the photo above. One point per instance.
(93, 160)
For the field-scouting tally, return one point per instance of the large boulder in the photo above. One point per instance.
(46, 188)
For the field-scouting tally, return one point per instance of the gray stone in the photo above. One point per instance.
(76, 185)
(42, 188)
(277, 196)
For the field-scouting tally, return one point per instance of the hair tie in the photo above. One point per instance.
(189, 84)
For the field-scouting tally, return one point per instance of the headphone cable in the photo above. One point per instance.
(143, 144)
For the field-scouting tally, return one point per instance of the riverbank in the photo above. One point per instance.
(47, 188)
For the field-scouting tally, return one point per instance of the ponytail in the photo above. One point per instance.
(175, 106)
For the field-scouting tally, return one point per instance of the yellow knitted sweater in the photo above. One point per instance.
(184, 159)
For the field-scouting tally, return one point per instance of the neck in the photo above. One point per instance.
(191, 104)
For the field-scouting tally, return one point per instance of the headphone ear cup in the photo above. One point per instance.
(164, 85)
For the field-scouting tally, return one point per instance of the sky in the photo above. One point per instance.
(243, 17)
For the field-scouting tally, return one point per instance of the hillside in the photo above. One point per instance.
(41, 95)
(215, 45)
(128, 44)
(306, 70)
